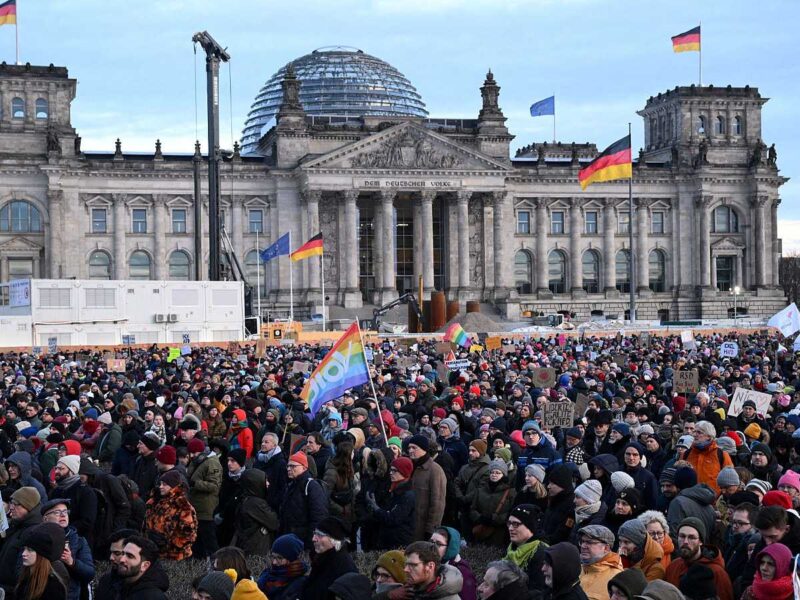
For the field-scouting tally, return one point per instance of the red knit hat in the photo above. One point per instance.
(404, 466)
(457, 400)
(300, 458)
(777, 498)
(167, 455)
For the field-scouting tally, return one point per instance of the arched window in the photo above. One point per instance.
(99, 265)
(719, 127)
(256, 271)
(523, 272)
(591, 272)
(701, 124)
(557, 272)
(179, 266)
(658, 271)
(42, 109)
(737, 126)
(18, 108)
(623, 270)
(139, 265)
(20, 217)
(725, 220)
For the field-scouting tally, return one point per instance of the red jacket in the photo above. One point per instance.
(709, 557)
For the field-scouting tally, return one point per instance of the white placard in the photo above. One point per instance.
(729, 349)
(19, 292)
(687, 339)
(741, 395)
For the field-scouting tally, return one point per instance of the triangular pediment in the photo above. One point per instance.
(406, 146)
(727, 243)
(19, 244)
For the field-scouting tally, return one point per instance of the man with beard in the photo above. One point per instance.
(599, 563)
(692, 550)
(116, 547)
(639, 550)
(82, 498)
(138, 574)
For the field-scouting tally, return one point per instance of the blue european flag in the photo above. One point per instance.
(279, 248)
(544, 107)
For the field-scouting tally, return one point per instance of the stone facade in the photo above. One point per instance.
(402, 198)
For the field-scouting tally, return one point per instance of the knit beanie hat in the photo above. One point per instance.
(298, 457)
(527, 514)
(561, 475)
(167, 455)
(758, 485)
(726, 444)
(685, 441)
(395, 441)
(450, 424)
(759, 447)
(728, 477)
(591, 491)
(621, 481)
(479, 445)
(453, 537)
(635, 531)
(753, 431)
(668, 475)
(698, 583)
(404, 466)
(246, 589)
(420, 441)
(151, 441)
(195, 445)
(632, 497)
(697, 524)
(217, 585)
(499, 465)
(335, 528)
(503, 454)
(630, 581)
(72, 462)
(535, 471)
(288, 546)
(172, 478)
(777, 498)
(685, 477)
(27, 497)
(790, 479)
(393, 561)
(46, 539)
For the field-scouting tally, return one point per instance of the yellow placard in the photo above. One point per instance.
(476, 348)
(494, 343)
(174, 353)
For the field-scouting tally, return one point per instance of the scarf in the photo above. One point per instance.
(236, 476)
(702, 445)
(582, 513)
(277, 578)
(421, 461)
(523, 553)
(265, 456)
(777, 589)
(69, 481)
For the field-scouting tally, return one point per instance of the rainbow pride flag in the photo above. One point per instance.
(456, 334)
(343, 367)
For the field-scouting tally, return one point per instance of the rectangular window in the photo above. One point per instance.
(179, 220)
(99, 220)
(139, 220)
(658, 222)
(524, 222)
(623, 222)
(557, 222)
(100, 298)
(257, 221)
(591, 221)
(54, 297)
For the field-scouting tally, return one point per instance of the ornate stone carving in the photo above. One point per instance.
(772, 159)
(328, 212)
(476, 245)
(410, 150)
(53, 145)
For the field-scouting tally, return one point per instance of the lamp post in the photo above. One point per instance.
(735, 291)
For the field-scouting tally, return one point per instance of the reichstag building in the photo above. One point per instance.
(340, 142)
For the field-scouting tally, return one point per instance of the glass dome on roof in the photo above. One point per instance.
(335, 81)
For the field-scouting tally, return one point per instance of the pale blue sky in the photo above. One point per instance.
(601, 58)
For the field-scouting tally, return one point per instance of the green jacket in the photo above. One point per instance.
(205, 479)
(108, 443)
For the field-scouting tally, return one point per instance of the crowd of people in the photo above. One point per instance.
(650, 492)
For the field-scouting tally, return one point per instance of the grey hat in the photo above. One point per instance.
(726, 444)
(660, 590)
(535, 471)
(217, 585)
(622, 481)
(727, 477)
(686, 441)
(450, 424)
(598, 532)
(500, 465)
(591, 491)
(635, 531)
(759, 485)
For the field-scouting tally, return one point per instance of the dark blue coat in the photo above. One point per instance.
(457, 450)
(543, 454)
(304, 505)
(397, 520)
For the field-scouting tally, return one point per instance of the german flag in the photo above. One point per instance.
(312, 247)
(612, 163)
(688, 41)
(8, 12)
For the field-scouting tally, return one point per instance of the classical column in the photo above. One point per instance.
(542, 288)
(274, 234)
(776, 248)
(739, 271)
(575, 258)
(426, 213)
(703, 249)
(159, 222)
(713, 271)
(312, 198)
(642, 243)
(53, 252)
(237, 235)
(120, 263)
(502, 244)
(463, 243)
(387, 248)
(352, 297)
(758, 204)
(609, 249)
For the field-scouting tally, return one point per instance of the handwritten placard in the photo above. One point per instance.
(558, 414)
(686, 382)
(115, 365)
(741, 395)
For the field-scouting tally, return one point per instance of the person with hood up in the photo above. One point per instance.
(603, 466)
(491, 506)
(24, 512)
(448, 544)
(398, 518)
(589, 508)
(773, 580)
(627, 585)
(240, 436)
(170, 519)
(426, 577)
(562, 573)
(333, 425)
(526, 550)
(76, 555)
(599, 563)
(19, 466)
(331, 559)
(705, 457)
(255, 521)
(285, 575)
(450, 442)
(559, 517)
(692, 535)
(468, 479)
(639, 550)
(693, 500)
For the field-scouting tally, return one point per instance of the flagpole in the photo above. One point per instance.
(632, 262)
(700, 55)
(291, 284)
(371, 383)
(258, 281)
(16, 29)
(322, 286)
(554, 118)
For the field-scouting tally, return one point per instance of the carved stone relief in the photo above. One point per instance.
(327, 223)
(410, 150)
(476, 241)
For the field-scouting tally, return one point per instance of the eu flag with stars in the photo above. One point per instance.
(544, 107)
(279, 248)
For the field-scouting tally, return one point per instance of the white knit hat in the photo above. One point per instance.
(72, 462)
(622, 481)
(590, 490)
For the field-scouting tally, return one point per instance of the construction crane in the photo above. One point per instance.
(408, 297)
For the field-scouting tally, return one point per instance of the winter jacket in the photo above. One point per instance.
(542, 454)
(150, 586)
(469, 583)
(304, 505)
(791, 539)
(12, 546)
(566, 577)
(559, 518)
(145, 474)
(108, 444)
(81, 573)
(651, 564)
(124, 462)
(341, 498)
(352, 586)
(24, 461)
(490, 508)
(709, 557)
(696, 501)
(54, 589)
(446, 586)
(82, 508)
(457, 449)
(530, 562)
(171, 522)
(468, 479)
(205, 479)
(397, 520)
(646, 483)
(114, 509)
(325, 569)
(430, 489)
(256, 522)
(706, 463)
(595, 577)
(275, 468)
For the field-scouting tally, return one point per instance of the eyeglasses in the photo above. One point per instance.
(513, 524)
(382, 576)
(737, 523)
(590, 542)
(656, 535)
(59, 513)
(438, 544)
(530, 432)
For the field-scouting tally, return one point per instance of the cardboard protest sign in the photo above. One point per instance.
(476, 348)
(740, 395)
(443, 347)
(406, 362)
(261, 348)
(300, 366)
(620, 359)
(581, 404)
(558, 414)
(458, 364)
(644, 339)
(687, 339)
(686, 382)
(729, 349)
(509, 349)
(377, 358)
(545, 378)
(494, 343)
(115, 365)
